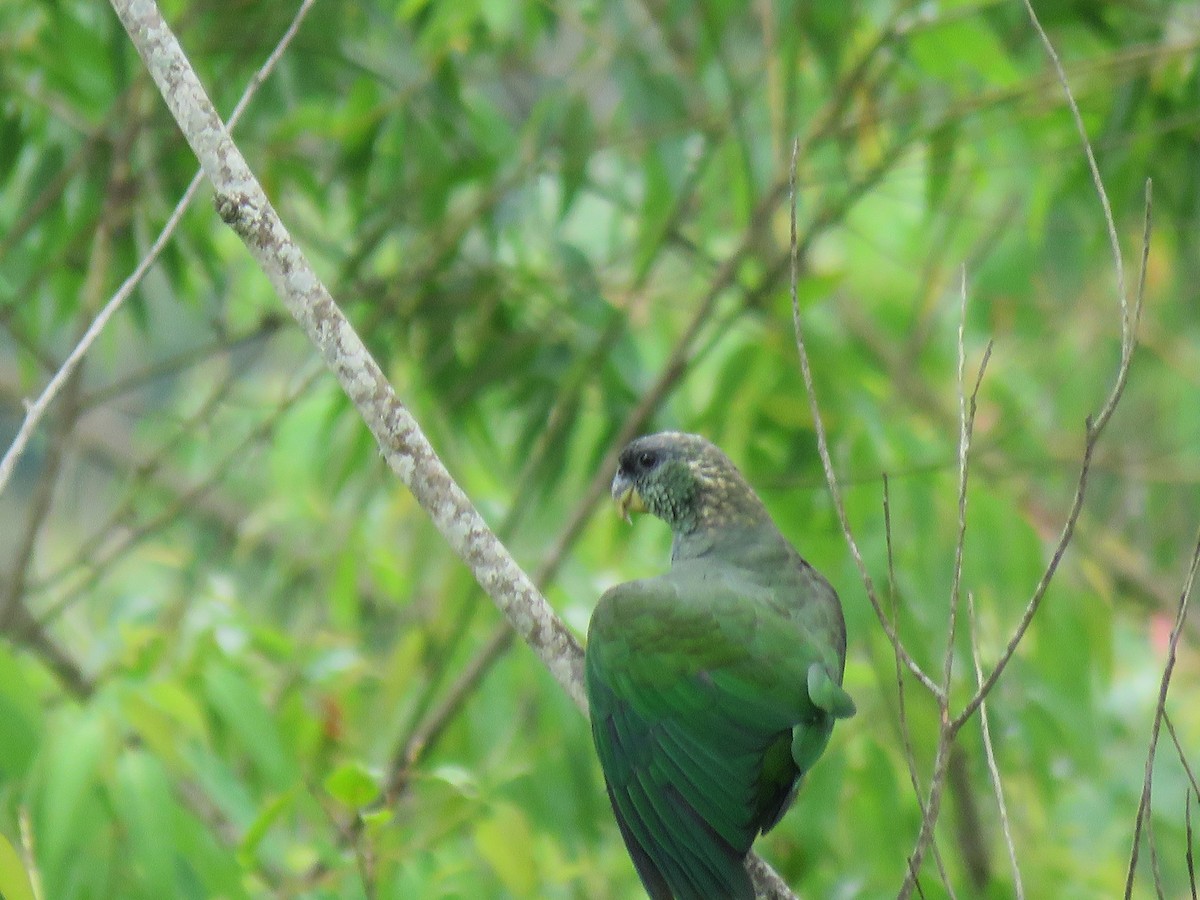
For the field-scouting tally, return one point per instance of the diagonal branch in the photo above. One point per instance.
(901, 704)
(684, 353)
(827, 461)
(243, 204)
(1095, 427)
(993, 769)
(1143, 811)
(1187, 769)
(946, 731)
(37, 409)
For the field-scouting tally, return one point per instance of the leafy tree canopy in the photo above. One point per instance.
(228, 628)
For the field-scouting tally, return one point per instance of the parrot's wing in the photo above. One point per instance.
(699, 697)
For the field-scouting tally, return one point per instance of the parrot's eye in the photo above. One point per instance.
(647, 459)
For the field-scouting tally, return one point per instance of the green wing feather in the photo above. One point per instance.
(699, 685)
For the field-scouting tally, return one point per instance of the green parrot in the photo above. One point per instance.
(714, 687)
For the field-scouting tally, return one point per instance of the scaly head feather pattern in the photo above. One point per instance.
(686, 481)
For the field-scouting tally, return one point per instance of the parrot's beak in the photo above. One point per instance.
(627, 498)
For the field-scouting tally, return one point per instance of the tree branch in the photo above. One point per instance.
(946, 730)
(1143, 811)
(1095, 425)
(910, 756)
(242, 203)
(993, 769)
(37, 409)
(827, 462)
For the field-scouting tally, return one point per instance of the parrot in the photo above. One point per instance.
(713, 688)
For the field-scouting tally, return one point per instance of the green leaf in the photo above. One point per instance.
(458, 777)
(505, 840)
(577, 142)
(21, 715)
(67, 788)
(145, 806)
(14, 880)
(10, 143)
(964, 54)
(237, 702)
(376, 819)
(940, 162)
(262, 824)
(352, 785)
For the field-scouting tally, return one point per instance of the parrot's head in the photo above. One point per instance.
(682, 479)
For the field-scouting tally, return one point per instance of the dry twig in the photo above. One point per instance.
(1143, 811)
(1187, 768)
(1187, 823)
(990, 753)
(827, 462)
(36, 410)
(1130, 314)
(946, 730)
(901, 705)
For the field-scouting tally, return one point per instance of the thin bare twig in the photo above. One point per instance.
(1182, 756)
(1143, 811)
(827, 462)
(901, 704)
(960, 539)
(946, 729)
(1113, 241)
(989, 751)
(967, 409)
(1094, 428)
(1187, 827)
(905, 734)
(1095, 425)
(36, 410)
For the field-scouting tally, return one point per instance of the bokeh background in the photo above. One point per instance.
(228, 625)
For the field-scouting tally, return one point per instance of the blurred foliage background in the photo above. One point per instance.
(227, 627)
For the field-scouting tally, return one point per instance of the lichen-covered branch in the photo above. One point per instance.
(242, 203)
